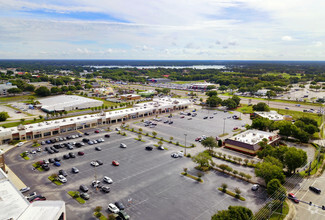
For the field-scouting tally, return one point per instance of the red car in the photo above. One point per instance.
(235, 128)
(183, 116)
(97, 131)
(293, 197)
(198, 139)
(115, 163)
(80, 153)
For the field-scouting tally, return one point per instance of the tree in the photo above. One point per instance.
(154, 133)
(55, 90)
(214, 101)
(43, 91)
(234, 212)
(261, 123)
(222, 88)
(294, 158)
(209, 87)
(224, 187)
(202, 159)
(14, 90)
(231, 104)
(270, 94)
(98, 209)
(212, 93)
(237, 191)
(269, 171)
(275, 189)
(236, 99)
(273, 160)
(4, 116)
(261, 106)
(210, 143)
(185, 171)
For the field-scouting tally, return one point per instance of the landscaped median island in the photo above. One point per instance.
(38, 166)
(76, 196)
(53, 179)
(235, 195)
(197, 178)
(24, 155)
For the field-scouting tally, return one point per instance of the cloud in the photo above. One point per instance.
(286, 38)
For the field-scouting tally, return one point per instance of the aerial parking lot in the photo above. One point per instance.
(208, 123)
(148, 183)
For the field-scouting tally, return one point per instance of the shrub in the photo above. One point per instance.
(98, 214)
(177, 143)
(98, 209)
(188, 155)
(224, 187)
(235, 172)
(147, 134)
(193, 145)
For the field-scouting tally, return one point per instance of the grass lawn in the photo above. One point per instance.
(15, 124)
(79, 199)
(16, 98)
(232, 194)
(58, 183)
(296, 114)
(26, 158)
(277, 214)
(284, 75)
(245, 109)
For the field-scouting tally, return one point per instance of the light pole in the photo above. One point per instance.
(185, 144)
(224, 125)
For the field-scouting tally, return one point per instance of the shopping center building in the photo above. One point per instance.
(55, 127)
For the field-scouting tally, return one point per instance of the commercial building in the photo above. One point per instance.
(55, 127)
(159, 80)
(130, 97)
(13, 204)
(4, 88)
(67, 103)
(271, 115)
(248, 141)
(199, 86)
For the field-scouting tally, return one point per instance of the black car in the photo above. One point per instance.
(314, 189)
(56, 146)
(47, 148)
(86, 140)
(149, 148)
(83, 188)
(107, 135)
(53, 140)
(63, 173)
(86, 133)
(57, 159)
(50, 151)
(55, 150)
(78, 144)
(99, 162)
(66, 156)
(46, 167)
(106, 189)
(70, 147)
(98, 148)
(51, 160)
(171, 122)
(120, 205)
(72, 155)
(206, 117)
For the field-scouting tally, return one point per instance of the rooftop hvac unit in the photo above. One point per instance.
(63, 120)
(261, 136)
(56, 122)
(254, 134)
(71, 119)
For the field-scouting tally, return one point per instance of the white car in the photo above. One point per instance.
(123, 145)
(255, 187)
(95, 183)
(62, 179)
(111, 207)
(25, 189)
(20, 144)
(107, 180)
(180, 154)
(94, 163)
(174, 155)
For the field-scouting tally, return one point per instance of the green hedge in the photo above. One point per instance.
(232, 194)
(26, 158)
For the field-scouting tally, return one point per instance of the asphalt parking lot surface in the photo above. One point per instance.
(196, 126)
(149, 183)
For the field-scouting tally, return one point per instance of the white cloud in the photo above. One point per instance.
(287, 38)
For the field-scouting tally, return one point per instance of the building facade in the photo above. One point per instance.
(55, 127)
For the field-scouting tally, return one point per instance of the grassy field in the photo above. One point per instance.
(16, 98)
(284, 75)
(296, 114)
(277, 214)
(14, 124)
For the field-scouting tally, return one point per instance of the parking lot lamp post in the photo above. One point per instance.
(185, 144)
(224, 125)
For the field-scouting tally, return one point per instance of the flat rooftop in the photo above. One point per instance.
(40, 210)
(271, 115)
(254, 136)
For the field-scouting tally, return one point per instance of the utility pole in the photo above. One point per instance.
(185, 144)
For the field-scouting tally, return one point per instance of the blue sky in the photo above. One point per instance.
(162, 29)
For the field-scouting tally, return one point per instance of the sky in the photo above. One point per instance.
(163, 29)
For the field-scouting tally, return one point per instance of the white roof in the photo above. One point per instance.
(272, 115)
(40, 210)
(254, 136)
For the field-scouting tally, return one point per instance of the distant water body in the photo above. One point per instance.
(199, 67)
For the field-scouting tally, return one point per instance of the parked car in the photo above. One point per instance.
(46, 167)
(255, 187)
(74, 170)
(72, 155)
(57, 159)
(83, 188)
(86, 133)
(90, 142)
(115, 163)
(120, 205)
(235, 128)
(205, 117)
(66, 156)
(174, 155)
(85, 196)
(122, 214)
(107, 135)
(57, 164)
(122, 145)
(98, 148)
(62, 179)
(99, 162)
(86, 140)
(94, 163)
(108, 180)
(37, 198)
(96, 131)
(80, 153)
(51, 160)
(63, 173)
(314, 189)
(161, 148)
(31, 196)
(292, 197)
(23, 190)
(106, 189)
(95, 183)
(111, 207)
(198, 139)
(149, 148)
(171, 122)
